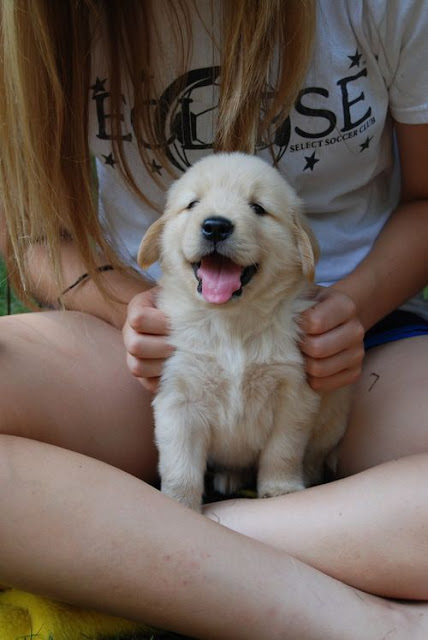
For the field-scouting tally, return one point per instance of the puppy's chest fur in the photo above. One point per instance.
(234, 380)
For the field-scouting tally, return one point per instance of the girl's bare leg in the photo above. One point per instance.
(64, 380)
(82, 531)
(370, 529)
(390, 413)
(107, 540)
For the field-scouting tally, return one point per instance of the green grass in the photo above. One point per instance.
(9, 303)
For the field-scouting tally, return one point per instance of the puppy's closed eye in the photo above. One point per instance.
(258, 209)
(192, 204)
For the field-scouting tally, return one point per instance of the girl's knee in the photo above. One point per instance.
(65, 382)
(390, 409)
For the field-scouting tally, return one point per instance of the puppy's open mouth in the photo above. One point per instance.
(220, 279)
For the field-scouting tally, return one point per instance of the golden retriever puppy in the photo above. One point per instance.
(237, 260)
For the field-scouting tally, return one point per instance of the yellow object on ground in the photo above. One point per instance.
(24, 616)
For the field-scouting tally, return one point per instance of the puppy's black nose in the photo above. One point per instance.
(216, 228)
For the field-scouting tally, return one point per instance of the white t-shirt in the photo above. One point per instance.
(336, 148)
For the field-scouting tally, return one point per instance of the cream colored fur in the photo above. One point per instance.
(234, 392)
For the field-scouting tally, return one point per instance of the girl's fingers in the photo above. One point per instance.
(340, 379)
(145, 337)
(144, 317)
(333, 309)
(145, 346)
(144, 368)
(332, 341)
(341, 338)
(151, 384)
(350, 359)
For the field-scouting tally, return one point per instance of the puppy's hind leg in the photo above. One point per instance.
(281, 461)
(181, 435)
(329, 429)
(281, 465)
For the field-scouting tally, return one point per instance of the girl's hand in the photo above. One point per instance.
(333, 341)
(144, 335)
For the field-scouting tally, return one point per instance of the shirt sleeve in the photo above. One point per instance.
(399, 33)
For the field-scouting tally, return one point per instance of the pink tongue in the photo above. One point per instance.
(220, 278)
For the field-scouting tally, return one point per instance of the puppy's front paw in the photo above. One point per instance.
(270, 489)
(191, 499)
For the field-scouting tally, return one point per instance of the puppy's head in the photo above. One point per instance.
(232, 226)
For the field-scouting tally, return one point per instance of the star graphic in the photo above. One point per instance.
(355, 59)
(98, 87)
(366, 144)
(310, 162)
(156, 168)
(109, 160)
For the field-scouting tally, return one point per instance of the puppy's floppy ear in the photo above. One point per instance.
(307, 245)
(149, 251)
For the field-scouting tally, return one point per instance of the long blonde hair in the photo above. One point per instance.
(46, 181)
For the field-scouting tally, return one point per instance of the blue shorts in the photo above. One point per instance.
(395, 326)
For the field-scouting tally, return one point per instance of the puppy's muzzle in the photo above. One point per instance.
(219, 277)
(216, 229)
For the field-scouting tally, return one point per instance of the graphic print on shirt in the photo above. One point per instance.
(185, 117)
